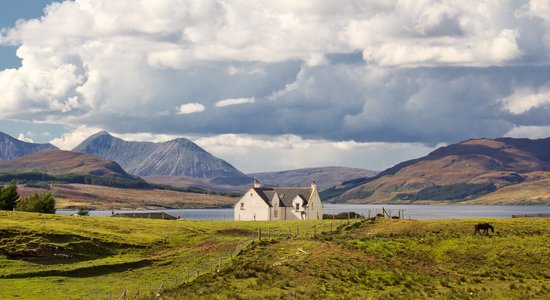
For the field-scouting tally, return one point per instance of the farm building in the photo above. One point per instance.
(277, 203)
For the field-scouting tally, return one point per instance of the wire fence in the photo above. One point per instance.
(219, 263)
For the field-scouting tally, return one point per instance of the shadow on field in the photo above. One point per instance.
(86, 271)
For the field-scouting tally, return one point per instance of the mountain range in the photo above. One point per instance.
(483, 171)
(472, 170)
(178, 157)
(11, 147)
(325, 177)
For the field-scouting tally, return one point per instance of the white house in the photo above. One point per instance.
(276, 203)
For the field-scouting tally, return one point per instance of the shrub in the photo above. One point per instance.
(343, 216)
(83, 212)
(8, 197)
(44, 203)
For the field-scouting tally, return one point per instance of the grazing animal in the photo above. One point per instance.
(485, 227)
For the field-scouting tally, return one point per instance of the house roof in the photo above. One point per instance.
(285, 194)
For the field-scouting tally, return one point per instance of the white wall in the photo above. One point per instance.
(291, 213)
(315, 208)
(254, 206)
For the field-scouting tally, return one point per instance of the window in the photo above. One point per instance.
(242, 206)
(297, 206)
(276, 213)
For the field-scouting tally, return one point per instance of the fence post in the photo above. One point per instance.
(268, 232)
(331, 229)
(187, 278)
(288, 234)
(307, 231)
(278, 233)
(175, 280)
(259, 234)
(110, 296)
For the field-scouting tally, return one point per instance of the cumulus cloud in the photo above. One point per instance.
(24, 138)
(71, 139)
(276, 153)
(190, 108)
(533, 132)
(369, 71)
(236, 101)
(525, 99)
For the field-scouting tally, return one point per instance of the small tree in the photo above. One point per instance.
(83, 212)
(44, 203)
(8, 197)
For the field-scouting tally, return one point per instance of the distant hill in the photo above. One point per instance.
(58, 162)
(325, 177)
(179, 157)
(470, 170)
(11, 147)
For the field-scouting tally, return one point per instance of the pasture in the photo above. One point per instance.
(53, 256)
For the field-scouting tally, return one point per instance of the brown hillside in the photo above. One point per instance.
(71, 196)
(63, 162)
(503, 162)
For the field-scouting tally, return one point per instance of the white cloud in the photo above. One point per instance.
(235, 101)
(285, 152)
(125, 66)
(23, 138)
(69, 140)
(525, 99)
(190, 108)
(532, 132)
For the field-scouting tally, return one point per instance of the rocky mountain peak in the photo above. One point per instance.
(11, 147)
(178, 157)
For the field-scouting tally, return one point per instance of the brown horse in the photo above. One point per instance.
(485, 227)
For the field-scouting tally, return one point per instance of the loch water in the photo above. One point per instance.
(420, 212)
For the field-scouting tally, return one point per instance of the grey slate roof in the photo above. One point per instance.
(285, 194)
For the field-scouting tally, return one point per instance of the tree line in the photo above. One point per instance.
(10, 200)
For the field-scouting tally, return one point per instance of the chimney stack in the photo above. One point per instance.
(313, 185)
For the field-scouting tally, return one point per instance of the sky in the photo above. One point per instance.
(274, 85)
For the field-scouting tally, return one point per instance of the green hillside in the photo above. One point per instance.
(52, 257)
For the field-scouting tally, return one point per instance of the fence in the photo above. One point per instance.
(217, 265)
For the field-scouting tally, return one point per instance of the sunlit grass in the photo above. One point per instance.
(106, 255)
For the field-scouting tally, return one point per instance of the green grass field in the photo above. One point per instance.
(53, 257)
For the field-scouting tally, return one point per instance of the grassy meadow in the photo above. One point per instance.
(52, 257)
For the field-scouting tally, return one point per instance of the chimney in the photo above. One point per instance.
(313, 185)
(257, 184)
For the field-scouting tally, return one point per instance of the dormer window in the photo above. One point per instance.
(242, 206)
